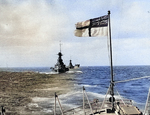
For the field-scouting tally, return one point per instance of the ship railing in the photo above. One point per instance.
(96, 107)
(90, 107)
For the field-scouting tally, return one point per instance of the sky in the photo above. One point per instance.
(31, 31)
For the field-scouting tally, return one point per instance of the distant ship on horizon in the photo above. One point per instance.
(60, 67)
(73, 67)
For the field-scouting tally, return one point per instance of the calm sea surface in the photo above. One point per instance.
(96, 81)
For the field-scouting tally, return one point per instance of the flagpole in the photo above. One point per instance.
(112, 99)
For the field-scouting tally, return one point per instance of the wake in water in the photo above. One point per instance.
(85, 85)
(52, 72)
(78, 72)
(68, 101)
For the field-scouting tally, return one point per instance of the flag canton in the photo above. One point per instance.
(99, 22)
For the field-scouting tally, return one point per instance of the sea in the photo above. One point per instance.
(96, 80)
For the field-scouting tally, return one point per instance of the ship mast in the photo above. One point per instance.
(112, 99)
(60, 46)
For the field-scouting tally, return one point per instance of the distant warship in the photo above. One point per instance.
(73, 67)
(60, 67)
(76, 66)
(70, 65)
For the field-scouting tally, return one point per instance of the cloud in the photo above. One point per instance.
(30, 23)
(31, 31)
(29, 27)
(134, 19)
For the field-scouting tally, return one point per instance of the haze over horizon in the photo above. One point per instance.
(31, 31)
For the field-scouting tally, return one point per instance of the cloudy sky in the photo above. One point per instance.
(31, 31)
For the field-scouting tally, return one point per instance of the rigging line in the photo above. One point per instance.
(105, 97)
(146, 106)
(132, 79)
(120, 96)
(88, 102)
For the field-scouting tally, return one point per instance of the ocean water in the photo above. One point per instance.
(96, 80)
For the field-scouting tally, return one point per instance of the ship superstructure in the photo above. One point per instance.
(60, 67)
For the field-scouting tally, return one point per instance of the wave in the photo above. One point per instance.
(47, 111)
(85, 85)
(39, 108)
(49, 72)
(40, 99)
(71, 72)
(79, 72)
(77, 94)
(70, 95)
(33, 105)
(68, 72)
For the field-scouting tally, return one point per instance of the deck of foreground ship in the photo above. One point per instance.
(122, 107)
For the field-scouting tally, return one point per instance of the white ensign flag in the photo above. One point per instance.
(93, 27)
